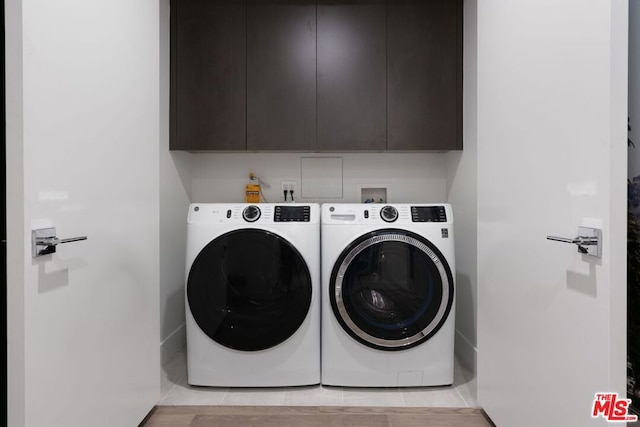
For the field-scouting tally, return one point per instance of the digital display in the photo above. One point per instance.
(292, 214)
(428, 214)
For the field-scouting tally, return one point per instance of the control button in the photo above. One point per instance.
(251, 213)
(228, 213)
(389, 213)
(366, 213)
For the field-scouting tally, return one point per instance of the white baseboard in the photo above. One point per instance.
(466, 352)
(172, 344)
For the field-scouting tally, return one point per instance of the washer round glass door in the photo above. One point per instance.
(391, 289)
(249, 290)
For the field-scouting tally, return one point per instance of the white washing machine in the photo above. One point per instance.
(253, 295)
(388, 292)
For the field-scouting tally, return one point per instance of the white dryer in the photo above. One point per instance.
(388, 294)
(253, 295)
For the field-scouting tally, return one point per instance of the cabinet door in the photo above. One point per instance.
(281, 75)
(351, 75)
(208, 75)
(424, 75)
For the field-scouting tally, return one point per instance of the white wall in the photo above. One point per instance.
(408, 177)
(462, 194)
(175, 195)
(634, 86)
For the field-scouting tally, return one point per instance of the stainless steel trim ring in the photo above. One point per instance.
(394, 237)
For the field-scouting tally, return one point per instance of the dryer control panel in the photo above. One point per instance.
(283, 213)
(254, 214)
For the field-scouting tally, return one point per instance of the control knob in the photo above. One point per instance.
(251, 213)
(389, 214)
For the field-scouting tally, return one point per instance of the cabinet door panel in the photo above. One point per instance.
(208, 75)
(424, 75)
(351, 75)
(281, 75)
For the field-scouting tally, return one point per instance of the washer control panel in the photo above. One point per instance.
(382, 213)
(428, 214)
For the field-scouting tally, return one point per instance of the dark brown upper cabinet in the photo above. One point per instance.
(424, 75)
(321, 75)
(208, 75)
(351, 75)
(281, 75)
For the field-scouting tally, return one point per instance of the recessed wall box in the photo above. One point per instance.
(373, 195)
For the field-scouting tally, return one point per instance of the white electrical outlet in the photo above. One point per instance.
(288, 186)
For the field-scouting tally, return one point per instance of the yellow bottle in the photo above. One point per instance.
(252, 190)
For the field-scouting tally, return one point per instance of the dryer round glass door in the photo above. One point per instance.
(391, 289)
(249, 290)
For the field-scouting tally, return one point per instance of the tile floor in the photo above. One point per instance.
(176, 391)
